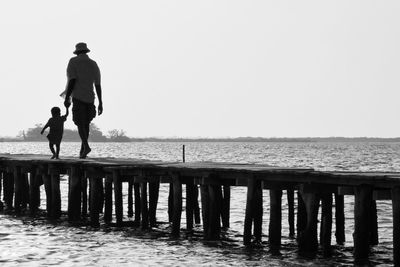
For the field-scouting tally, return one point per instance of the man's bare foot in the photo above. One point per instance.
(53, 157)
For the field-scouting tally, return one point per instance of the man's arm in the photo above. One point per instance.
(70, 87)
(98, 92)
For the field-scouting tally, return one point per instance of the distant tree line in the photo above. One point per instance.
(96, 135)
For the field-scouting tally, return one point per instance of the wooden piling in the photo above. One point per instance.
(74, 199)
(118, 197)
(189, 206)
(362, 195)
(47, 186)
(130, 198)
(138, 210)
(144, 208)
(290, 200)
(17, 189)
(154, 191)
(396, 224)
(339, 219)
(25, 190)
(275, 219)
(373, 219)
(8, 190)
(108, 198)
(171, 202)
(326, 224)
(196, 205)
(55, 192)
(253, 211)
(177, 200)
(215, 197)
(34, 190)
(226, 203)
(84, 188)
(301, 222)
(95, 198)
(205, 208)
(308, 238)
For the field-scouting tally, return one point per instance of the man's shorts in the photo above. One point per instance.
(82, 113)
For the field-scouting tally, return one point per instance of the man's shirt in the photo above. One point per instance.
(86, 73)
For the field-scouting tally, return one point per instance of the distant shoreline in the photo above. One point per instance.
(238, 139)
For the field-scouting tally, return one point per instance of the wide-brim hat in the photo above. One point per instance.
(81, 47)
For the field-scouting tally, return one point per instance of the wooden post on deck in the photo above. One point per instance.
(74, 196)
(339, 219)
(326, 224)
(108, 198)
(301, 215)
(362, 195)
(171, 202)
(34, 190)
(96, 181)
(177, 200)
(396, 224)
(275, 220)
(118, 197)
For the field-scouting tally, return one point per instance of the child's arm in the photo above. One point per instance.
(44, 128)
(66, 114)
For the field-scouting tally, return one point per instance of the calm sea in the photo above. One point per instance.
(25, 241)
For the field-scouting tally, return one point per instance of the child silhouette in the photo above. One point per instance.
(56, 125)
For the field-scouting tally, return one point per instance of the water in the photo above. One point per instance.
(25, 241)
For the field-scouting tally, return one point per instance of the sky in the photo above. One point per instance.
(209, 68)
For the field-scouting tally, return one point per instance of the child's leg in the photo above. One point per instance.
(57, 150)
(52, 150)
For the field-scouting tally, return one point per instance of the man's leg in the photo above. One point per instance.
(83, 133)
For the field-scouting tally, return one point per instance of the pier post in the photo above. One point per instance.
(215, 197)
(154, 191)
(205, 209)
(226, 206)
(118, 197)
(143, 206)
(54, 173)
(25, 190)
(108, 198)
(339, 219)
(308, 238)
(253, 211)
(301, 215)
(290, 200)
(138, 210)
(363, 196)
(374, 237)
(18, 189)
(74, 199)
(396, 224)
(84, 192)
(130, 198)
(196, 205)
(326, 224)
(8, 190)
(177, 200)
(275, 220)
(34, 190)
(171, 202)
(96, 180)
(190, 187)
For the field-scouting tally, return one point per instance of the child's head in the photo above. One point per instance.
(55, 111)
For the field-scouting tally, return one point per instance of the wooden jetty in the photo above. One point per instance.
(22, 176)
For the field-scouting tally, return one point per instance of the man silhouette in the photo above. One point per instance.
(82, 74)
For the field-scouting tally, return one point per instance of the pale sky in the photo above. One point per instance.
(210, 68)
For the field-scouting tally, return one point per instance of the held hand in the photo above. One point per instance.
(67, 104)
(41, 132)
(100, 109)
